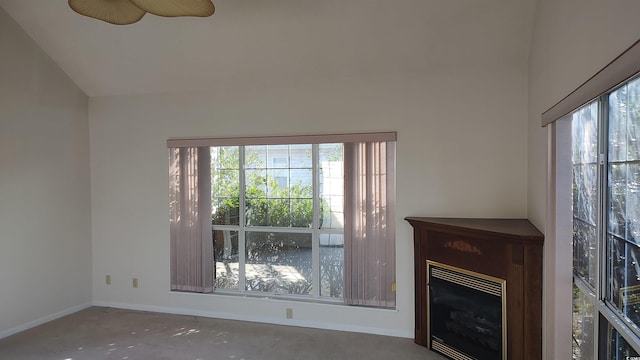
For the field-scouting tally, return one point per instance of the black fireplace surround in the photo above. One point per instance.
(466, 314)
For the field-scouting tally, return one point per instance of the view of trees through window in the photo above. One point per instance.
(606, 223)
(277, 218)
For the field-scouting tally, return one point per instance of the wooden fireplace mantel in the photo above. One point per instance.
(509, 249)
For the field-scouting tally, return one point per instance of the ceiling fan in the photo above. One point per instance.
(123, 12)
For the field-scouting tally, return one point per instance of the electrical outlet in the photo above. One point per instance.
(289, 313)
(107, 279)
(135, 282)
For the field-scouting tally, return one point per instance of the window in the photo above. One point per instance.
(301, 217)
(605, 159)
(278, 223)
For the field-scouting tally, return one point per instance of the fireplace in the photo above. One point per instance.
(466, 312)
(478, 288)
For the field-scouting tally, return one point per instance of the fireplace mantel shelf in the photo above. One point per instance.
(509, 249)
(512, 229)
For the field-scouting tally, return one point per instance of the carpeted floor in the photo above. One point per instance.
(106, 333)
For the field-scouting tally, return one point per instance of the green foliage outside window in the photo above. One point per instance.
(270, 204)
(267, 204)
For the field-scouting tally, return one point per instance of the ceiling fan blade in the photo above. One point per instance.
(173, 8)
(118, 12)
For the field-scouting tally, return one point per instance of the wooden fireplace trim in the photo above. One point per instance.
(509, 249)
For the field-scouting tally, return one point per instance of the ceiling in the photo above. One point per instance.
(277, 42)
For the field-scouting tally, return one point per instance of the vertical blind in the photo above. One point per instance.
(190, 220)
(369, 224)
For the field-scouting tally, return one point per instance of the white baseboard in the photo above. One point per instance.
(42, 320)
(267, 320)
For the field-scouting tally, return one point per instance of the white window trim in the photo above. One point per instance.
(557, 323)
(558, 276)
(374, 197)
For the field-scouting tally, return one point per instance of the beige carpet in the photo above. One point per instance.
(107, 333)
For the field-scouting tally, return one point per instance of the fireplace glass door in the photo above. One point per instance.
(467, 313)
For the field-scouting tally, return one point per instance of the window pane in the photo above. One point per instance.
(225, 175)
(585, 184)
(584, 127)
(256, 183)
(620, 348)
(277, 194)
(617, 251)
(301, 213)
(331, 186)
(302, 182)
(618, 116)
(279, 212)
(584, 251)
(226, 258)
(633, 203)
(626, 281)
(617, 199)
(332, 212)
(280, 162)
(278, 183)
(256, 209)
(256, 212)
(255, 156)
(331, 265)
(278, 262)
(633, 129)
(583, 325)
(300, 156)
(585, 134)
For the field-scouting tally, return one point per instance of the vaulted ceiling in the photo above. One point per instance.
(277, 42)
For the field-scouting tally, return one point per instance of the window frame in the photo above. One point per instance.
(558, 272)
(608, 319)
(314, 230)
(609, 311)
(372, 198)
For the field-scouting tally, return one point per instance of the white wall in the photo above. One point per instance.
(572, 40)
(45, 247)
(460, 152)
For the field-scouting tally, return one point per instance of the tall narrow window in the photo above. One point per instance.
(606, 225)
(623, 203)
(585, 230)
(600, 204)
(296, 216)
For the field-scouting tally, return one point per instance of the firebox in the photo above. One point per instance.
(467, 313)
